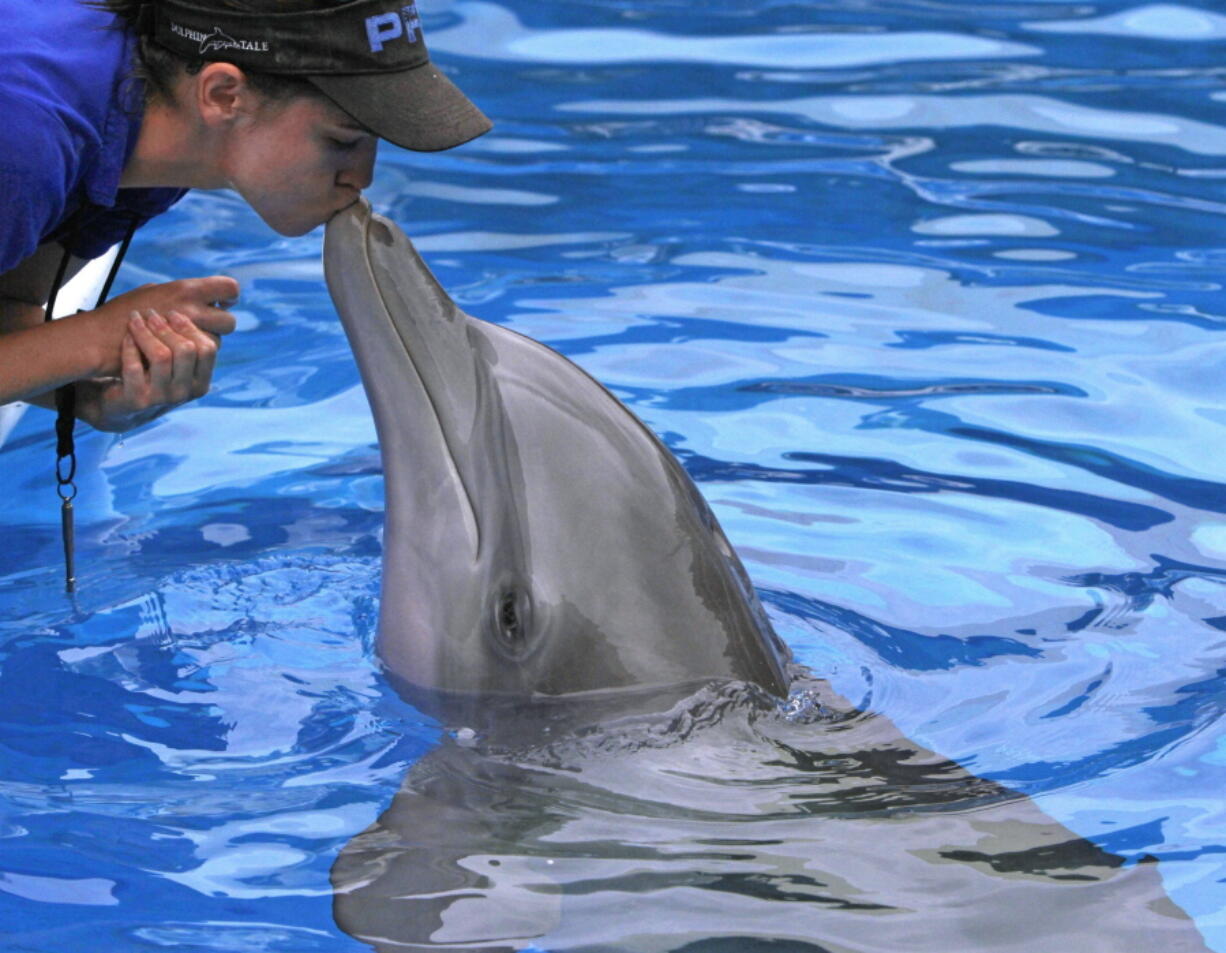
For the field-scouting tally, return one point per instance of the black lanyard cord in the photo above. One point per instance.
(123, 250)
(66, 413)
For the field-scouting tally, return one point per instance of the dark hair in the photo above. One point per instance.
(159, 68)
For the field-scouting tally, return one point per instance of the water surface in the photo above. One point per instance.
(924, 295)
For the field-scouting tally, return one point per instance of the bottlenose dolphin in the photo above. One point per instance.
(553, 579)
(540, 542)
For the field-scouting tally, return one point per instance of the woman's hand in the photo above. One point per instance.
(165, 361)
(203, 301)
(38, 357)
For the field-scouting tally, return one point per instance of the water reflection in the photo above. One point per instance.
(1158, 21)
(493, 31)
(730, 820)
(1012, 111)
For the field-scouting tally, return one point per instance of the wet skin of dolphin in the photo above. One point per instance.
(553, 579)
(539, 540)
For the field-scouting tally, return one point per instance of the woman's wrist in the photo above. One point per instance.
(39, 359)
(97, 350)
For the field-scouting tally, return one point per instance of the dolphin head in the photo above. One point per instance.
(539, 541)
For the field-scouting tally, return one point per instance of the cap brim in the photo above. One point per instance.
(418, 108)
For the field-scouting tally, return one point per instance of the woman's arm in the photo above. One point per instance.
(23, 290)
(36, 356)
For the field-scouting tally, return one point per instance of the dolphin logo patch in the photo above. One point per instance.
(218, 40)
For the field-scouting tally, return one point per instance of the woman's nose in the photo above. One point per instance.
(360, 171)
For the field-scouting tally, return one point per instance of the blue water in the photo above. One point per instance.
(925, 295)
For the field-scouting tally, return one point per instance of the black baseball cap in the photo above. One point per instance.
(367, 56)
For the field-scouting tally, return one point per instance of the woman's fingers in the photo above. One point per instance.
(206, 351)
(183, 358)
(171, 358)
(164, 361)
(204, 301)
(158, 357)
(215, 318)
(217, 290)
(132, 368)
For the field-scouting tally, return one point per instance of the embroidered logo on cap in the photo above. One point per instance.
(390, 26)
(218, 40)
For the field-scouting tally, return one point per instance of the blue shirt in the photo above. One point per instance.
(69, 118)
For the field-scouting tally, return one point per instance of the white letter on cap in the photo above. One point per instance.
(381, 28)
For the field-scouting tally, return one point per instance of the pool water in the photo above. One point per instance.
(924, 296)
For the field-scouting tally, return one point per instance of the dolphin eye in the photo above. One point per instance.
(509, 618)
(509, 623)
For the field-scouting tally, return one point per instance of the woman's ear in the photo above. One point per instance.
(222, 93)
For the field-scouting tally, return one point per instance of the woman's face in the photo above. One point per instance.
(298, 162)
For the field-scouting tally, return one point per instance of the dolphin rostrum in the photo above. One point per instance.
(540, 542)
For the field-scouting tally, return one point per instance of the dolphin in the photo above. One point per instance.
(627, 778)
(540, 542)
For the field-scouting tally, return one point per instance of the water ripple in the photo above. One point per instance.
(926, 297)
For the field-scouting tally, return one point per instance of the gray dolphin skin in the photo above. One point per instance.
(540, 541)
(635, 783)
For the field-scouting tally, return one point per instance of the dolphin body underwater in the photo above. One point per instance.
(628, 775)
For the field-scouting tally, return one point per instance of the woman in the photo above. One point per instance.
(113, 109)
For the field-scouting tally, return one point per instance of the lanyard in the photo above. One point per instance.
(66, 416)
